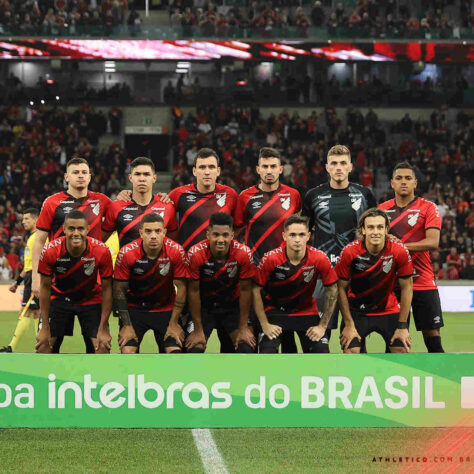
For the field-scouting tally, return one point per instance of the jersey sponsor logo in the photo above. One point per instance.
(89, 268)
(138, 271)
(66, 259)
(86, 259)
(281, 267)
(256, 205)
(191, 198)
(389, 210)
(96, 209)
(127, 217)
(324, 340)
(93, 200)
(129, 208)
(67, 209)
(221, 199)
(437, 319)
(387, 265)
(413, 218)
(363, 258)
(323, 204)
(326, 196)
(280, 276)
(355, 195)
(208, 272)
(67, 202)
(356, 203)
(360, 266)
(164, 268)
(61, 270)
(308, 276)
(285, 203)
(257, 196)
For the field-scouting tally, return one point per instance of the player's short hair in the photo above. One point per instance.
(206, 153)
(297, 219)
(77, 160)
(372, 212)
(221, 218)
(152, 217)
(76, 214)
(31, 210)
(404, 165)
(267, 152)
(142, 161)
(339, 150)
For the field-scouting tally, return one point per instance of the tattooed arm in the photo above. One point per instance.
(120, 304)
(315, 333)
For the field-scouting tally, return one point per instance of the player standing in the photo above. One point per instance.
(30, 216)
(334, 210)
(368, 268)
(146, 273)
(195, 203)
(262, 209)
(417, 223)
(58, 206)
(220, 287)
(288, 276)
(69, 268)
(125, 216)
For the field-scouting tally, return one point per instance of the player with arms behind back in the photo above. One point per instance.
(146, 273)
(220, 288)
(288, 276)
(69, 268)
(367, 270)
(417, 223)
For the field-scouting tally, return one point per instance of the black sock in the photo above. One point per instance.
(433, 343)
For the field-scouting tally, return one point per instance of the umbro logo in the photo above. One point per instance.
(127, 217)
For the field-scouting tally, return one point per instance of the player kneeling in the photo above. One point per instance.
(288, 276)
(220, 290)
(69, 269)
(147, 271)
(368, 268)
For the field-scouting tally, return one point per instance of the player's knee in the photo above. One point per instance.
(433, 343)
(129, 350)
(268, 346)
(398, 350)
(198, 349)
(244, 348)
(352, 350)
(173, 350)
(319, 347)
(44, 349)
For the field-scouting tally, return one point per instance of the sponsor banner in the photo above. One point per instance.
(457, 299)
(236, 390)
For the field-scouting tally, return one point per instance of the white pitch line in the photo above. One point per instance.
(210, 456)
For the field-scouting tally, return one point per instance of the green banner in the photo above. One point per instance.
(210, 390)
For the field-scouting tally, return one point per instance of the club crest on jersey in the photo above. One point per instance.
(285, 203)
(387, 265)
(96, 208)
(356, 203)
(89, 268)
(232, 271)
(164, 269)
(127, 217)
(413, 218)
(221, 199)
(308, 276)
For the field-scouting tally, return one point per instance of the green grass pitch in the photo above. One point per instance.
(263, 450)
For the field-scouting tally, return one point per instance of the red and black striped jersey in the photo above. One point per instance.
(125, 218)
(220, 281)
(372, 277)
(75, 279)
(264, 215)
(410, 224)
(56, 207)
(195, 208)
(151, 279)
(289, 288)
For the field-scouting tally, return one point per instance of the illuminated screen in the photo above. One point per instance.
(238, 50)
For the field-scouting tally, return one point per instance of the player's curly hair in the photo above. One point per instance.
(372, 212)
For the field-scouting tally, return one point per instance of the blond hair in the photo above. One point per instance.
(339, 150)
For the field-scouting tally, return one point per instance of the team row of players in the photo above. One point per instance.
(333, 209)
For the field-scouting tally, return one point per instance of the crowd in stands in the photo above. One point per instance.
(364, 18)
(34, 147)
(443, 158)
(57, 17)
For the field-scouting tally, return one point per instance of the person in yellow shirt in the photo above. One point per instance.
(30, 217)
(114, 247)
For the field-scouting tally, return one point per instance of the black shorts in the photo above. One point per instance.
(143, 321)
(300, 324)
(426, 307)
(27, 293)
(61, 318)
(320, 296)
(226, 319)
(384, 325)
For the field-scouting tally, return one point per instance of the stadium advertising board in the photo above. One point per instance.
(457, 299)
(377, 390)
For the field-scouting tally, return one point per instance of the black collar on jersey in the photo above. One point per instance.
(77, 199)
(268, 192)
(204, 194)
(404, 207)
